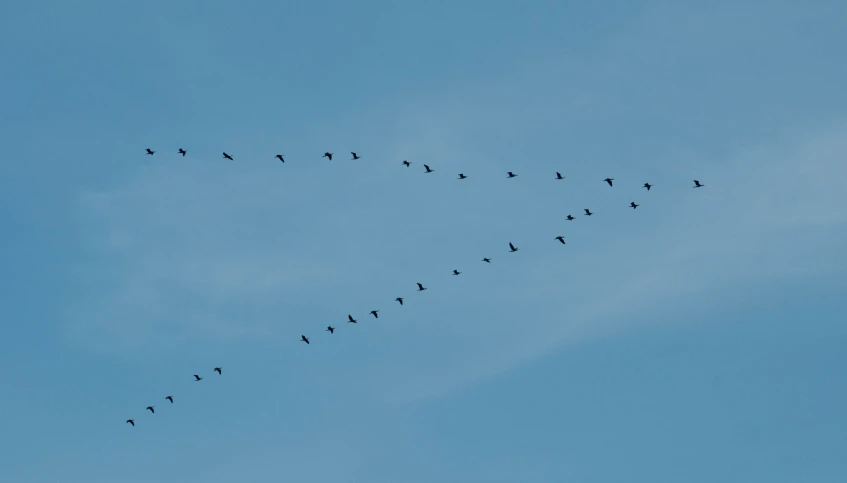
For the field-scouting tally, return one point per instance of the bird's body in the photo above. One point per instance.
(304, 339)
(150, 151)
(327, 155)
(400, 300)
(561, 239)
(150, 408)
(648, 186)
(197, 378)
(218, 370)
(170, 398)
(227, 156)
(182, 152)
(131, 421)
(588, 212)
(375, 313)
(428, 169)
(456, 272)
(570, 218)
(462, 176)
(330, 329)
(355, 156)
(511, 174)
(421, 288)
(512, 248)
(486, 260)
(280, 157)
(609, 180)
(407, 163)
(697, 184)
(633, 205)
(350, 319)
(559, 175)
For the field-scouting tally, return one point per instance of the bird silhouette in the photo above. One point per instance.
(512, 248)
(407, 163)
(304, 339)
(280, 157)
(570, 218)
(559, 175)
(428, 170)
(182, 152)
(697, 184)
(227, 156)
(355, 156)
(218, 370)
(486, 260)
(462, 176)
(588, 213)
(150, 408)
(131, 421)
(150, 151)
(648, 186)
(327, 155)
(561, 239)
(399, 299)
(421, 288)
(456, 272)
(374, 313)
(170, 398)
(633, 205)
(197, 378)
(511, 174)
(609, 180)
(350, 319)
(330, 329)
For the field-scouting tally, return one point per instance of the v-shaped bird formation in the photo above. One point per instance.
(512, 248)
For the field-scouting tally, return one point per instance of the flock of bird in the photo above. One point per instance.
(421, 288)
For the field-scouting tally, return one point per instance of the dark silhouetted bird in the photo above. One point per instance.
(227, 156)
(421, 288)
(407, 163)
(697, 184)
(512, 248)
(486, 260)
(150, 151)
(304, 339)
(609, 180)
(327, 155)
(374, 313)
(511, 174)
(559, 175)
(561, 239)
(131, 421)
(182, 152)
(350, 319)
(399, 299)
(355, 156)
(462, 176)
(633, 205)
(648, 186)
(330, 329)
(588, 212)
(150, 408)
(218, 370)
(280, 157)
(170, 398)
(197, 378)
(570, 218)
(428, 170)
(456, 272)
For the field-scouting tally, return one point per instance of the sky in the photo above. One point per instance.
(698, 338)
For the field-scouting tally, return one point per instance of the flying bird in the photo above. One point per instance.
(131, 421)
(399, 299)
(327, 155)
(170, 398)
(407, 163)
(462, 176)
(182, 152)
(428, 170)
(559, 175)
(456, 272)
(648, 186)
(197, 378)
(633, 205)
(150, 408)
(150, 151)
(330, 329)
(227, 156)
(697, 184)
(512, 248)
(374, 313)
(304, 339)
(561, 239)
(486, 260)
(280, 157)
(355, 156)
(350, 319)
(588, 213)
(421, 288)
(511, 174)
(218, 370)
(609, 180)
(570, 218)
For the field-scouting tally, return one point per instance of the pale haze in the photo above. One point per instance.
(699, 338)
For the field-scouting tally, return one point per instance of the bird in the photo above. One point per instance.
(421, 288)
(131, 421)
(350, 319)
(486, 260)
(218, 370)
(399, 299)
(182, 152)
(374, 313)
(633, 205)
(512, 248)
(197, 378)
(511, 174)
(150, 408)
(570, 218)
(456, 272)
(462, 176)
(588, 212)
(561, 239)
(327, 155)
(280, 157)
(697, 184)
(150, 151)
(304, 339)
(355, 156)
(330, 329)
(428, 170)
(170, 398)
(648, 186)
(227, 156)
(407, 163)
(609, 180)
(559, 175)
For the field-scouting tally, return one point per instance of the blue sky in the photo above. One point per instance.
(698, 338)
